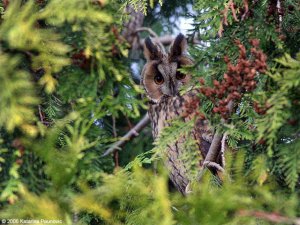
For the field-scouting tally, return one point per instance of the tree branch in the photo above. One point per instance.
(223, 148)
(129, 28)
(130, 135)
(116, 153)
(149, 30)
(165, 40)
(213, 151)
(213, 165)
(218, 142)
(41, 114)
(270, 216)
(211, 157)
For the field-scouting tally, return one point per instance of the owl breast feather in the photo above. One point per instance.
(184, 108)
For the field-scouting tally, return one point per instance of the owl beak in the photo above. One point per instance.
(172, 88)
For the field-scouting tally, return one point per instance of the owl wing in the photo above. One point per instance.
(185, 107)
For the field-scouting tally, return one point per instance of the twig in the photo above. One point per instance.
(114, 127)
(41, 114)
(223, 148)
(149, 30)
(130, 134)
(213, 165)
(272, 217)
(165, 40)
(116, 153)
(29, 53)
(75, 217)
(43, 118)
(278, 6)
(57, 100)
(221, 29)
(246, 7)
(128, 122)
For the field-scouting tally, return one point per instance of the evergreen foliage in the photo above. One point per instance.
(66, 94)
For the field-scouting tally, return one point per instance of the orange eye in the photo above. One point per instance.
(158, 79)
(180, 76)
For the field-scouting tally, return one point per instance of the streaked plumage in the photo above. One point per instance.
(162, 82)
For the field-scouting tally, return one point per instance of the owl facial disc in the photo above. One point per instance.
(161, 77)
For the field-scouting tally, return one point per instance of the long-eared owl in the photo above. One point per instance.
(162, 82)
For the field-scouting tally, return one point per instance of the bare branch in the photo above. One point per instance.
(211, 157)
(130, 134)
(219, 141)
(129, 28)
(165, 40)
(116, 153)
(279, 11)
(214, 165)
(41, 114)
(221, 29)
(246, 7)
(114, 126)
(223, 148)
(270, 216)
(213, 151)
(149, 30)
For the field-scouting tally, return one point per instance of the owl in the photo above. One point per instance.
(162, 81)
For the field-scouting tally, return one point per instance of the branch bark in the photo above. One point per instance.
(213, 151)
(129, 32)
(218, 145)
(165, 40)
(130, 135)
(149, 30)
(223, 148)
(116, 153)
(270, 216)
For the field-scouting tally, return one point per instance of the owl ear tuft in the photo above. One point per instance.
(178, 47)
(151, 50)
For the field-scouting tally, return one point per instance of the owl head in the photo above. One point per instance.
(160, 76)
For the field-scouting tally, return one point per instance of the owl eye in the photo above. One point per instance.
(180, 76)
(158, 79)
